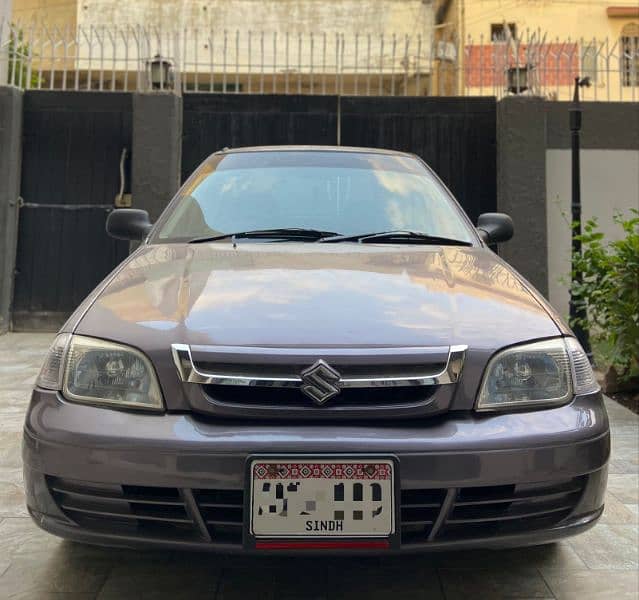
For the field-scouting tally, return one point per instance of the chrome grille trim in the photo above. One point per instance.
(190, 373)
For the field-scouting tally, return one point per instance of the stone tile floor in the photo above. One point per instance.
(602, 563)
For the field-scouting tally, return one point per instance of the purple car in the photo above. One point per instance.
(314, 350)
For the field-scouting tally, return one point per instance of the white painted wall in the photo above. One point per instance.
(272, 35)
(295, 16)
(5, 9)
(610, 184)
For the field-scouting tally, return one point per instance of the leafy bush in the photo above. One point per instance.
(609, 293)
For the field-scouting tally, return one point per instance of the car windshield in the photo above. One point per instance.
(342, 192)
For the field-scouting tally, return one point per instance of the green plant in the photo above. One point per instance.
(609, 293)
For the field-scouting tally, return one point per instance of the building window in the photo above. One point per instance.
(630, 55)
(502, 32)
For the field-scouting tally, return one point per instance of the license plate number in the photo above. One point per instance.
(313, 498)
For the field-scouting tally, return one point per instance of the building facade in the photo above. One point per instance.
(284, 46)
(540, 46)
(377, 47)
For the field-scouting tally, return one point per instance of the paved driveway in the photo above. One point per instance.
(602, 563)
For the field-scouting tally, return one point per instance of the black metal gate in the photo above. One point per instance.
(72, 148)
(455, 136)
(73, 144)
(214, 121)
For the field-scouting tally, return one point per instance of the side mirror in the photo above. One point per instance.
(128, 224)
(494, 228)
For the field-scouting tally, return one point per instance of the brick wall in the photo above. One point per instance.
(555, 64)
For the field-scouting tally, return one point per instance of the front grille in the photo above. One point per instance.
(284, 398)
(483, 512)
(217, 515)
(151, 512)
(346, 370)
(356, 382)
(486, 511)
(419, 510)
(124, 509)
(223, 513)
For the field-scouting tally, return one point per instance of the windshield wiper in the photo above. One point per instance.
(399, 236)
(283, 233)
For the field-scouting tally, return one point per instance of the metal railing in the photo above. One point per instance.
(139, 58)
(535, 64)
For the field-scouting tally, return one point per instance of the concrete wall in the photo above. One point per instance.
(208, 21)
(521, 185)
(344, 16)
(610, 184)
(5, 16)
(156, 150)
(55, 13)
(606, 125)
(534, 181)
(10, 169)
(586, 18)
(271, 39)
(609, 179)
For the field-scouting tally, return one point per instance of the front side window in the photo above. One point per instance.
(342, 192)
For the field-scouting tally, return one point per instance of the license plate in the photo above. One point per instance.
(321, 498)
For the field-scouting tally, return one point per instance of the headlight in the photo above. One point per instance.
(94, 371)
(544, 373)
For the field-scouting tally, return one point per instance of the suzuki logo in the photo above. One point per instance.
(320, 382)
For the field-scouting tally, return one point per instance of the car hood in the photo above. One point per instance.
(314, 296)
(305, 294)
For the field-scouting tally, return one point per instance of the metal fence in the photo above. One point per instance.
(536, 64)
(138, 58)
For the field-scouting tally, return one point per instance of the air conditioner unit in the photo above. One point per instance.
(446, 51)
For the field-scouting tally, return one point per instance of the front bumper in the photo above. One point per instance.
(498, 480)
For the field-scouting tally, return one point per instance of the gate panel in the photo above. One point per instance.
(455, 136)
(72, 146)
(214, 121)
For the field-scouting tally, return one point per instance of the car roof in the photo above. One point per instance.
(316, 148)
